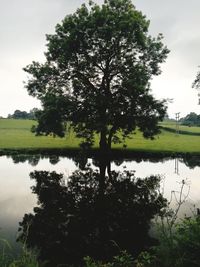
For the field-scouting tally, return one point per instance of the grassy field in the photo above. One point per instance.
(15, 134)
(172, 125)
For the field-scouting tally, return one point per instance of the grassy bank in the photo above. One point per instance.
(172, 125)
(16, 135)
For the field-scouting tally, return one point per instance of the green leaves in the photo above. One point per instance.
(100, 60)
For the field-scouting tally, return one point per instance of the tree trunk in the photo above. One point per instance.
(105, 165)
(103, 141)
(102, 177)
(109, 170)
(109, 141)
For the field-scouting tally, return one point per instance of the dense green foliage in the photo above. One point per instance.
(18, 114)
(97, 74)
(122, 260)
(196, 83)
(191, 119)
(181, 249)
(9, 259)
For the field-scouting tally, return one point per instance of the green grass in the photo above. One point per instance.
(166, 141)
(172, 125)
(15, 134)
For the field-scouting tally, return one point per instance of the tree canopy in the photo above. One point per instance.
(99, 64)
(18, 114)
(192, 119)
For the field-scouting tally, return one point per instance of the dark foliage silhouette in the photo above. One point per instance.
(97, 73)
(82, 215)
(33, 160)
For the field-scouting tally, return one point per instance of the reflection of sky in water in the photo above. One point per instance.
(15, 193)
(171, 180)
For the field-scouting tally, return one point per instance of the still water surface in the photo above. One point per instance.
(16, 197)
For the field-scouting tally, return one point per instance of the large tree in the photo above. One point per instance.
(99, 64)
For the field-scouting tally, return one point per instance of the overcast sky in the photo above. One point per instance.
(24, 23)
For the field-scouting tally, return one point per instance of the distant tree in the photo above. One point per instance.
(196, 83)
(97, 74)
(18, 114)
(192, 119)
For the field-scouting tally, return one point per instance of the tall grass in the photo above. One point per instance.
(26, 258)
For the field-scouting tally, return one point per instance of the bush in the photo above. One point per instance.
(181, 249)
(123, 260)
(26, 258)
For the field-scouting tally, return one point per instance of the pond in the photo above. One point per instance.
(17, 199)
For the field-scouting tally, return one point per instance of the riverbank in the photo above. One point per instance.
(16, 137)
(115, 153)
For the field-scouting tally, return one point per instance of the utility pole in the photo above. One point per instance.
(176, 166)
(177, 122)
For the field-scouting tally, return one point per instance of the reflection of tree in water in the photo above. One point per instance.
(80, 160)
(53, 159)
(191, 161)
(79, 218)
(33, 160)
